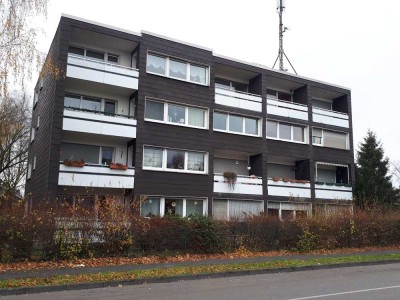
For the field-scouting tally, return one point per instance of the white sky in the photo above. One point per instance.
(354, 43)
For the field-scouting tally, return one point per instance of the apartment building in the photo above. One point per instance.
(139, 114)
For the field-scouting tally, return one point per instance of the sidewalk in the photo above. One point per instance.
(40, 273)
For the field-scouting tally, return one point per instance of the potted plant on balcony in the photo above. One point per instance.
(74, 163)
(118, 166)
(230, 178)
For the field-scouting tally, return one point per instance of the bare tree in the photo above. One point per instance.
(18, 52)
(14, 141)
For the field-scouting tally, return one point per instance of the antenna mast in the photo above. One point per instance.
(280, 6)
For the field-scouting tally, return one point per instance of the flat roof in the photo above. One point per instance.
(202, 48)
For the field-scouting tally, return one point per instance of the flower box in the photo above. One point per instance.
(118, 166)
(74, 163)
(276, 178)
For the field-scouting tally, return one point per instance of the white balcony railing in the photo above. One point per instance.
(324, 191)
(330, 117)
(98, 123)
(96, 176)
(244, 185)
(238, 99)
(102, 72)
(289, 189)
(287, 109)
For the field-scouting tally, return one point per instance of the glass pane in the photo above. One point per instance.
(109, 107)
(220, 209)
(240, 209)
(72, 101)
(235, 123)
(196, 117)
(156, 64)
(87, 153)
(241, 87)
(251, 126)
(317, 136)
(174, 207)
(176, 114)
(298, 134)
(175, 159)
(272, 129)
(195, 161)
(154, 110)
(91, 104)
(335, 139)
(321, 104)
(198, 74)
(284, 132)
(284, 96)
(95, 55)
(152, 157)
(112, 58)
(326, 174)
(271, 93)
(194, 207)
(76, 51)
(222, 83)
(177, 69)
(107, 155)
(220, 121)
(151, 207)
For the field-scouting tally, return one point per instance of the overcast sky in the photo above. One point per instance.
(352, 43)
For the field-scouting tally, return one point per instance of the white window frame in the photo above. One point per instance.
(32, 134)
(188, 64)
(184, 212)
(164, 161)
(323, 141)
(29, 172)
(102, 102)
(305, 132)
(259, 122)
(100, 152)
(34, 163)
(165, 116)
(336, 165)
(106, 54)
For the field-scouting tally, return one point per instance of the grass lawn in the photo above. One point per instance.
(187, 270)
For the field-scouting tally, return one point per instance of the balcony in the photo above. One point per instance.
(289, 188)
(336, 192)
(330, 117)
(101, 72)
(250, 185)
(94, 122)
(96, 176)
(238, 99)
(287, 109)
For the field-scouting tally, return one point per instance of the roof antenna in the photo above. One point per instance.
(280, 7)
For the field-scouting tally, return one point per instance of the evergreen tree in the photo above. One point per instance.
(373, 182)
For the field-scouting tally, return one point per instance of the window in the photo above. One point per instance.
(288, 132)
(90, 104)
(170, 67)
(156, 64)
(231, 85)
(95, 55)
(112, 59)
(220, 121)
(87, 153)
(183, 207)
(29, 173)
(317, 136)
(322, 104)
(177, 69)
(198, 74)
(278, 95)
(34, 163)
(174, 160)
(332, 139)
(176, 114)
(32, 134)
(38, 122)
(154, 110)
(76, 51)
(107, 154)
(236, 209)
(153, 157)
(236, 124)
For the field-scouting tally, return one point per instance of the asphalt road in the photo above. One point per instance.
(366, 282)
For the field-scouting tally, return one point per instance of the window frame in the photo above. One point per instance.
(244, 117)
(165, 114)
(102, 104)
(323, 140)
(164, 161)
(106, 54)
(184, 210)
(177, 59)
(100, 154)
(304, 127)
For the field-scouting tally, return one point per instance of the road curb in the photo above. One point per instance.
(116, 283)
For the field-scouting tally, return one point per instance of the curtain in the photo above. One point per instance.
(153, 157)
(177, 69)
(240, 209)
(194, 207)
(196, 117)
(198, 74)
(195, 161)
(220, 209)
(150, 208)
(335, 139)
(156, 64)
